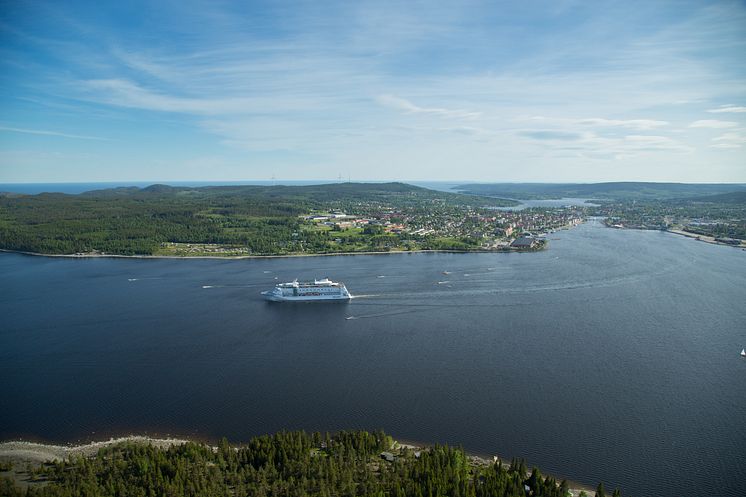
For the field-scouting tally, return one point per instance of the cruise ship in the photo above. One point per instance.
(308, 291)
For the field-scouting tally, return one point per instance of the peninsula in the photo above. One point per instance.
(347, 463)
(241, 221)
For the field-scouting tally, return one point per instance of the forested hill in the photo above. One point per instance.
(723, 198)
(601, 191)
(306, 195)
(292, 464)
(256, 220)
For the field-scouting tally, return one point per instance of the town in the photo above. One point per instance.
(439, 225)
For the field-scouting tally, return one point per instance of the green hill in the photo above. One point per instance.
(600, 191)
(257, 220)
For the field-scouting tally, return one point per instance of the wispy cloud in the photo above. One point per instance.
(365, 84)
(408, 107)
(610, 147)
(638, 124)
(125, 93)
(641, 124)
(730, 140)
(726, 145)
(546, 134)
(713, 123)
(730, 109)
(51, 133)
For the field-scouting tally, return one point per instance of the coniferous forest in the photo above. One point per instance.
(297, 464)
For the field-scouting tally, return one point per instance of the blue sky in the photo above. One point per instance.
(487, 91)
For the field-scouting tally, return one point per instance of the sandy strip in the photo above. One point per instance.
(703, 238)
(39, 453)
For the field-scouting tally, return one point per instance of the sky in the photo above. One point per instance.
(554, 91)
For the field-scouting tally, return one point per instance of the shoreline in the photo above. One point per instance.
(700, 238)
(482, 459)
(35, 452)
(704, 238)
(279, 256)
(23, 453)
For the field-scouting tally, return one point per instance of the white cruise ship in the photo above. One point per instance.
(308, 291)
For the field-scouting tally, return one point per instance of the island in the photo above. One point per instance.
(347, 463)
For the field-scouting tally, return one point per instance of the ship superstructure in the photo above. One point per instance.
(317, 290)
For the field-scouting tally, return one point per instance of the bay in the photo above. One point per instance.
(612, 356)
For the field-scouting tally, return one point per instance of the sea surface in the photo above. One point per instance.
(612, 355)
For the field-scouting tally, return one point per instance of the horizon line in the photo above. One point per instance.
(332, 181)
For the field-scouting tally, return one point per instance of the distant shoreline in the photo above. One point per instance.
(704, 238)
(687, 234)
(279, 256)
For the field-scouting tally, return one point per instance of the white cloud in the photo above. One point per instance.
(726, 145)
(733, 109)
(732, 138)
(592, 145)
(551, 135)
(307, 82)
(124, 93)
(641, 124)
(51, 133)
(713, 123)
(465, 130)
(408, 107)
(638, 124)
(655, 143)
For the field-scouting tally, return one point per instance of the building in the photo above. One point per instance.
(525, 242)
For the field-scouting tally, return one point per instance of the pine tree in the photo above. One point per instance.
(600, 492)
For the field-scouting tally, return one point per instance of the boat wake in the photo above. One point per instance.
(385, 314)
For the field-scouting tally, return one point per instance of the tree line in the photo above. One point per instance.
(294, 464)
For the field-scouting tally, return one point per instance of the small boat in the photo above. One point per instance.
(743, 352)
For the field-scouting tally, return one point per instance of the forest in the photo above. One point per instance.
(256, 220)
(293, 464)
(619, 191)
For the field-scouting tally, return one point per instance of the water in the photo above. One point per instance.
(613, 355)
(550, 203)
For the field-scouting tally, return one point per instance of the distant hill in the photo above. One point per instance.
(600, 191)
(258, 219)
(298, 193)
(723, 198)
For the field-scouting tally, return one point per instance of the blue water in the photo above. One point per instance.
(613, 355)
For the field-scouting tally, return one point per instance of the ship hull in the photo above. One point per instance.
(270, 296)
(323, 290)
